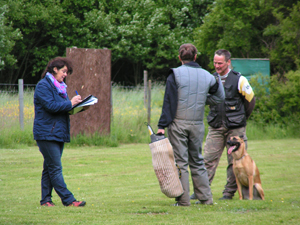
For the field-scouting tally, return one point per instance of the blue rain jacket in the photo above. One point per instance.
(51, 121)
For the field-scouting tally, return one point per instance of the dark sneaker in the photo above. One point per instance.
(226, 197)
(193, 197)
(78, 203)
(50, 204)
(205, 202)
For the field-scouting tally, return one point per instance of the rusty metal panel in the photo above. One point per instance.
(91, 75)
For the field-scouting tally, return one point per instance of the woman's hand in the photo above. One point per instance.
(76, 99)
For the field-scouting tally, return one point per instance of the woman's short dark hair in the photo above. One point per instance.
(58, 62)
(223, 52)
(187, 52)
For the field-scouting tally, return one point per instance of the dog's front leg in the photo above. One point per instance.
(239, 186)
(250, 177)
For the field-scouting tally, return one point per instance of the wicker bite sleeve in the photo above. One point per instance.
(165, 169)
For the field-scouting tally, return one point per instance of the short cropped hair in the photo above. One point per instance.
(223, 52)
(187, 52)
(58, 62)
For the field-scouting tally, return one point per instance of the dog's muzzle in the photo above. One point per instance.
(234, 145)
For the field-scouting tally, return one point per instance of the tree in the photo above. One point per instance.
(142, 34)
(46, 32)
(236, 25)
(8, 37)
(285, 52)
(251, 29)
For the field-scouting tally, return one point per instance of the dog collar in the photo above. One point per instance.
(242, 157)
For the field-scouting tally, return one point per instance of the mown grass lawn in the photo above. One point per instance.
(120, 187)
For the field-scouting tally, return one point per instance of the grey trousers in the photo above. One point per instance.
(186, 139)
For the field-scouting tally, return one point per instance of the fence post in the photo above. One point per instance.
(145, 88)
(149, 101)
(111, 101)
(21, 104)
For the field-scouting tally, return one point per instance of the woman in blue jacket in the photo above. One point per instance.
(51, 128)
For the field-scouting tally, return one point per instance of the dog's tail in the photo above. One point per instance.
(260, 190)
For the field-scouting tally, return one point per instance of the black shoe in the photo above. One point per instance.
(193, 197)
(205, 202)
(226, 197)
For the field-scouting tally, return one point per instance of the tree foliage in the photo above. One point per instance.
(277, 101)
(144, 34)
(8, 37)
(250, 29)
(46, 33)
(236, 25)
(285, 52)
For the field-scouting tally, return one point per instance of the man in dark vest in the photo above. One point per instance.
(186, 93)
(227, 119)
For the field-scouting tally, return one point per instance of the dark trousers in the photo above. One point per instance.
(52, 172)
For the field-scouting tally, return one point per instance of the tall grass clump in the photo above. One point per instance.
(129, 113)
(11, 136)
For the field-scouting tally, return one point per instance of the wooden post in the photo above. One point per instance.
(111, 101)
(149, 101)
(21, 104)
(145, 88)
(91, 75)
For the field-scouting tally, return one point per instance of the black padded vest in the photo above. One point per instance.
(230, 113)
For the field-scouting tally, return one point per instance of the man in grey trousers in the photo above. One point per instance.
(187, 90)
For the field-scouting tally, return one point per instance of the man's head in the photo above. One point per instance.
(187, 53)
(222, 61)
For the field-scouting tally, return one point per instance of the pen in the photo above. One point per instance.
(76, 92)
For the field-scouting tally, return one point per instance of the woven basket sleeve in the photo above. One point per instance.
(165, 169)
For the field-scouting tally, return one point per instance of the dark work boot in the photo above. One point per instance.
(226, 197)
(193, 197)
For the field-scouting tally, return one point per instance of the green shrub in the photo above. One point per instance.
(277, 101)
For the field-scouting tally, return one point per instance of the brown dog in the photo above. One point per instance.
(245, 169)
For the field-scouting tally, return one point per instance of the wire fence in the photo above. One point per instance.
(20, 88)
(13, 88)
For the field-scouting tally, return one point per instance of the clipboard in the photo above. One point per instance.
(89, 100)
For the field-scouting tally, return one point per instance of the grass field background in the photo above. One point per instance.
(120, 187)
